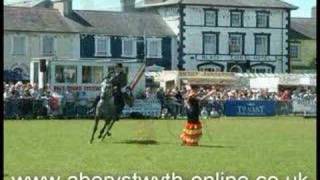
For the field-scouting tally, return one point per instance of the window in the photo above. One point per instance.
(48, 45)
(262, 44)
(236, 18)
(66, 74)
(236, 69)
(211, 17)
(92, 74)
(261, 69)
(102, 46)
(294, 51)
(154, 48)
(129, 47)
(210, 68)
(210, 43)
(236, 43)
(262, 19)
(19, 45)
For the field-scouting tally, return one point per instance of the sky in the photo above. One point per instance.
(303, 11)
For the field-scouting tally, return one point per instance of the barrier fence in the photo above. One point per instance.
(53, 107)
(31, 108)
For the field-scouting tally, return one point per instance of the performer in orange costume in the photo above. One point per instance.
(192, 131)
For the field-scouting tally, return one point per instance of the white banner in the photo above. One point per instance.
(265, 83)
(304, 106)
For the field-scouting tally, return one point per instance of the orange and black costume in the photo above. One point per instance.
(192, 131)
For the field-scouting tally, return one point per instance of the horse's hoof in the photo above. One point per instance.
(108, 133)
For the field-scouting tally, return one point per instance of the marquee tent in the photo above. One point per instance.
(170, 79)
(273, 81)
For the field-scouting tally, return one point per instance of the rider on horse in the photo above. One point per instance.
(119, 82)
(118, 79)
(113, 97)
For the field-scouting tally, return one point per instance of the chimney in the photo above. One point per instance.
(127, 5)
(63, 6)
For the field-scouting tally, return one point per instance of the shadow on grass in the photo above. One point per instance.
(140, 142)
(153, 142)
(216, 146)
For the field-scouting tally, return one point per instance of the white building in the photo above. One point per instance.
(36, 32)
(210, 35)
(81, 46)
(228, 35)
(53, 30)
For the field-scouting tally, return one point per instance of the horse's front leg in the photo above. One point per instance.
(106, 122)
(95, 127)
(109, 128)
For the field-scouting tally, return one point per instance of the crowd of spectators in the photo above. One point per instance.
(223, 94)
(27, 99)
(20, 90)
(171, 100)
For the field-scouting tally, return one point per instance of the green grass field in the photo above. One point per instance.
(278, 146)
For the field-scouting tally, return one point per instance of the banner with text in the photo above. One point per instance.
(304, 106)
(249, 108)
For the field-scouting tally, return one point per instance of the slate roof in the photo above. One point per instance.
(305, 26)
(228, 3)
(36, 19)
(85, 21)
(28, 3)
(120, 23)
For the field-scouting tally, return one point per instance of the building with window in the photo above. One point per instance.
(228, 36)
(303, 40)
(204, 35)
(52, 29)
(129, 36)
(36, 32)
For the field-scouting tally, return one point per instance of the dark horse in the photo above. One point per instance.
(106, 109)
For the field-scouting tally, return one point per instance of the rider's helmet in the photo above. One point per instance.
(119, 68)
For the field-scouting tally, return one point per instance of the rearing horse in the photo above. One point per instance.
(106, 109)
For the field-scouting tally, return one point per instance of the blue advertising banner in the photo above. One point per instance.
(250, 108)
